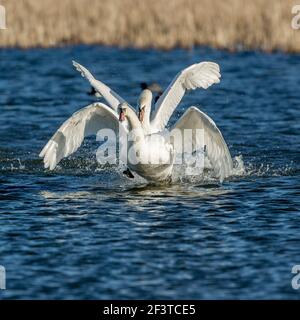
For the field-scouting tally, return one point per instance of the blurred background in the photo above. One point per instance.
(230, 24)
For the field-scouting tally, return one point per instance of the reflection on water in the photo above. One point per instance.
(141, 196)
(85, 231)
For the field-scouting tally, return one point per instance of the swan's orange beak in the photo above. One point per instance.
(141, 114)
(122, 116)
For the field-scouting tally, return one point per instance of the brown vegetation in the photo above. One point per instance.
(230, 24)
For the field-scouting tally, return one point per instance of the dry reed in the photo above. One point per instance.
(165, 24)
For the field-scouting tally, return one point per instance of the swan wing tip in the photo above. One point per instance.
(79, 68)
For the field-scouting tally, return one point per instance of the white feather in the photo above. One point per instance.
(216, 147)
(69, 137)
(200, 75)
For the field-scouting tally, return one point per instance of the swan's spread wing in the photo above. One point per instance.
(111, 97)
(215, 145)
(200, 75)
(68, 138)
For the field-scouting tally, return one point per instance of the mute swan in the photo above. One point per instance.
(150, 156)
(152, 142)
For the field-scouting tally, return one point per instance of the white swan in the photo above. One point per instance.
(153, 143)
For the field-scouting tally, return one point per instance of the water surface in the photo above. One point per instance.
(82, 232)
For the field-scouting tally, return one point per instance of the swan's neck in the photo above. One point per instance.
(144, 105)
(146, 120)
(133, 121)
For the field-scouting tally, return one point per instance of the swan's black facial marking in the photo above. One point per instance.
(141, 113)
(122, 113)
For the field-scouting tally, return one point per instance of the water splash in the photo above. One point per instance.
(193, 174)
(238, 166)
(269, 170)
(87, 165)
(19, 167)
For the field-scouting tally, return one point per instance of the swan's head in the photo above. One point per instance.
(122, 111)
(144, 104)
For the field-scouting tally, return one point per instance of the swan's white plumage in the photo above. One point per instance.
(216, 148)
(200, 75)
(92, 118)
(68, 138)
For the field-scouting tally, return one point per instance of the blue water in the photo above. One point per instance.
(85, 232)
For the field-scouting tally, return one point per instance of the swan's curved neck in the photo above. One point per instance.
(146, 121)
(144, 105)
(133, 120)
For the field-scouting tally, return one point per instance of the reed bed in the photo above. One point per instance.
(164, 24)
